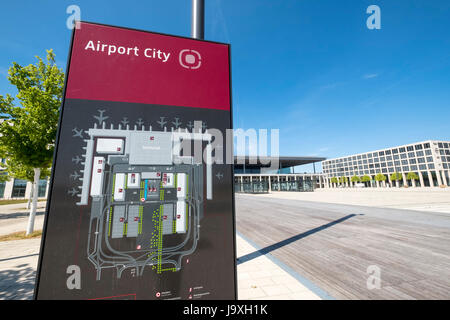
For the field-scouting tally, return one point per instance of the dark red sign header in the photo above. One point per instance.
(116, 64)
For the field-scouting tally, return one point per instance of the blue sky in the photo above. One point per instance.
(310, 68)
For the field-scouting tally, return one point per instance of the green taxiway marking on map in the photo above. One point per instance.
(161, 211)
(142, 189)
(187, 215)
(114, 185)
(141, 209)
(109, 222)
(125, 228)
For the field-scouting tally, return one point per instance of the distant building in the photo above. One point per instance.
(20, 189)
(253, 175)
(430, 160)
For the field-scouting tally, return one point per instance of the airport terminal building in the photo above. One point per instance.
(255, 175)
(429, 160)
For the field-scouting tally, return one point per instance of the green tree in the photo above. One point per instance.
(412, 176)
(365, 179)
(334, 180)
(343, 180)
(396, 177)
(28, 130)
(355, 179)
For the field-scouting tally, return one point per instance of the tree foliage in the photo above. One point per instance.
(365, 178)
(19, 171)
(380, 177)
(28, 129)
(343, 179)
(396, 176)
(356, 179)
(334, 180)
(412, 176)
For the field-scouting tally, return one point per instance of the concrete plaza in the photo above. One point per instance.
(422, 199)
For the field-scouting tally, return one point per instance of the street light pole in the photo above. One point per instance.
(198, 19)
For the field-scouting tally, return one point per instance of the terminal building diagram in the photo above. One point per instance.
(146, 200)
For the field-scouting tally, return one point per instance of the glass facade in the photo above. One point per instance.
(2, 189)
(267, 183)
(252, 187)
(42, 188)
(300, 186)
(19, 188)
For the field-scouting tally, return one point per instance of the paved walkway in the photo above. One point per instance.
(259, 276)
(14, 217)
(420, 199)
(18, 261)
(262, 277)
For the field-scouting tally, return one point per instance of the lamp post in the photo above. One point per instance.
(198, 19)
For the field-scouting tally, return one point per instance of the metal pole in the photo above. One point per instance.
(198, 19)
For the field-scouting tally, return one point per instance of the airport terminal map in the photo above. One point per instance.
(130, 215)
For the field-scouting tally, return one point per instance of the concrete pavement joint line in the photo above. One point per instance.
(308, 284)
(21, 257)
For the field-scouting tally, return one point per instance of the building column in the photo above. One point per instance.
(8, 189)
(390, 180)
(405, 182)
(430, 179)
(448, 174)
(422, 184)
(444, 178)
(270, 184)
(438, 176)
(28, 189)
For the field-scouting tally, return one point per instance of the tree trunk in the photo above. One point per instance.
(30, 227)
(29, 197)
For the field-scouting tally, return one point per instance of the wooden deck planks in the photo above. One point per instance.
(414, 258)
